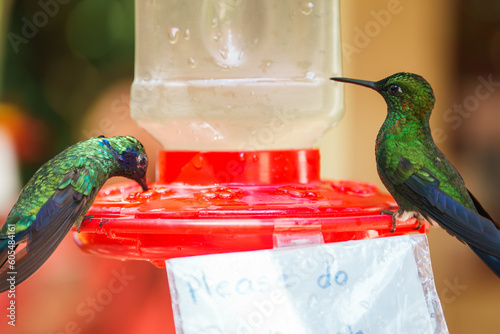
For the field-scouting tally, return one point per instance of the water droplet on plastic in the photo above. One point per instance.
(132, 196)
(191, 62)
(223, 53)
(226, 195)
(217, 37)
(313, 194)
(209, 195)
(306, 7)
(197, 161)
(265, 64)
(145, 195)
(187, 34)
(173, 35)
(224, 66)
(243, 156)
(296, 193)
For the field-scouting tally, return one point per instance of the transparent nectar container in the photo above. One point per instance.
(237, 75)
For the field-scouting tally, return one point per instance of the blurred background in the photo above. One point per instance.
(70, 78)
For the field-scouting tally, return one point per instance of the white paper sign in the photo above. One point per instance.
(356, 287)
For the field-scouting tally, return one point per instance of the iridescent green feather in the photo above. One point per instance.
(406, 132)
(95, 158)
(59, 195)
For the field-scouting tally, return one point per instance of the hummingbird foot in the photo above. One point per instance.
(393, 215)
(87, 217)
(418, 226)
(102, 222)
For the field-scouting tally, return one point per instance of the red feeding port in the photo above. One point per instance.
(218, 202)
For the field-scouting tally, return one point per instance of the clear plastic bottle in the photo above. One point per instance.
(214, 75)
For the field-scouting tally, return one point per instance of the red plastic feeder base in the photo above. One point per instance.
(218, 202)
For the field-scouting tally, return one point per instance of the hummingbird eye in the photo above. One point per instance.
(395, 90)
(142, 160)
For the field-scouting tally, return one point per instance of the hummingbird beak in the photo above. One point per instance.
(143, 183)
(364, 83)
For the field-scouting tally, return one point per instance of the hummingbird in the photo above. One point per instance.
(58, 196)
(424, 184)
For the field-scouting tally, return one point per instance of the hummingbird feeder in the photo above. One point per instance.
(238, 93)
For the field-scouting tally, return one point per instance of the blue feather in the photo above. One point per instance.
(462, 222)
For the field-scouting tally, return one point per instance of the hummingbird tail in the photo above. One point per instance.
(491, 261)
(31, 257)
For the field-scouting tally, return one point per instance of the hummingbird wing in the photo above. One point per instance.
(481, 210)
(421, 187)
(55, 218)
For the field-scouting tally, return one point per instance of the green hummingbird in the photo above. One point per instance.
(417, 174)
(58, 196)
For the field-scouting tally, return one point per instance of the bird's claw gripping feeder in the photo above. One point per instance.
(238, 92)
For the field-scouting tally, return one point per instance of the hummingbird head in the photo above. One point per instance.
(407, 94)
(130, 156)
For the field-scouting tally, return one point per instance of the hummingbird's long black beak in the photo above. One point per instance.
(143, 183)
(364, 83)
